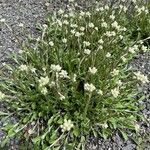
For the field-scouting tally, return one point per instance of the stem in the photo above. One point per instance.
(80, 63)
(56, 140)
(87, 104)
(144, 39)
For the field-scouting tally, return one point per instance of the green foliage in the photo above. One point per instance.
(74, 80)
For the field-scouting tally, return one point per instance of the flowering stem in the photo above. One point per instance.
(87, 104)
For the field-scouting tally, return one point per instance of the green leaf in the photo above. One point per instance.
(82, 139)
(8, 127)
(69, 147)
(11, 133)
(124, 135)
(60, 121)
(36, 140)
(50, 120)
(25, 119)
(33, 105)
(76, 131)
(4, 142)
(105, 134)
(3, 113)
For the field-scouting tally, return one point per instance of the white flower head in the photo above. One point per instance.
(65, 22)
(125, 9)
(82, 13)
(120, 6)
(112, 17)
(92, 70)
(146, 11)
(73, 25)
(115, 72)
(71, 14)
(73, 32)
(86, 43)
(82, 28)
(115, 25)
(59, 22)
(47, 4)
(91, 25)
(44, 91)
(97, 9)
(71, 0)
(123, 59)
(2, 20)
(74, 78)
(134, 1)
(113, 33)
(88, 13)
(131, 50)
(45, 26)
(52, 84)
(105, 125)
(100, 47)
(115, 92)
(62, 97)
(100, 92)
(44, 69)
(56, 68)
(136, 47)
(51, 43)
(141, 77)
(121, 37)
(110, 33)
(78, 34)
(119, 83)
(67, 125)
(87, 51)
(96, 28)
(64, 40)
(66, 16)
(104, 24)
(23, 67)
(89, 87)
(60, 11)
(106, 7)
(100, 41)
(33, 70)
(2, 95)
(144, 48)
(63, 74)
(20, 25)
(137, 127)
(108, 55)
(43, 81)
(101, 9)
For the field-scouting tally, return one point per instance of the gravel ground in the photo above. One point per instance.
(29, 12)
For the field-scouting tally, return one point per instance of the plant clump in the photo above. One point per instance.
(74, 80)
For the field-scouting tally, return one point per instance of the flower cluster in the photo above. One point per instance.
(89, 87)
(23, 67)
(141, 77)
(115, 92)
(67, 125)
(56, 68)
(43, 81)
(92, 70)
